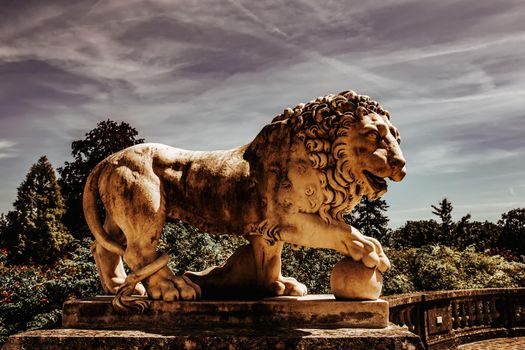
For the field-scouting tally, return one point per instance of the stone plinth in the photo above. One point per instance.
(307, 312)
(312, 322)
(232, 338)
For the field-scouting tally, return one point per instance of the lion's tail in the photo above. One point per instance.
(89, 204)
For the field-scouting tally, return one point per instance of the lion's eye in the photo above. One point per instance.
(374, 136)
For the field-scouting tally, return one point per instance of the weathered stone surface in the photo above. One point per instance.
(291, 184)
(391, 338)
(306, 312)
(354, 281)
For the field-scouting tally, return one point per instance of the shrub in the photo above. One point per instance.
(443, 268)
(31, 296)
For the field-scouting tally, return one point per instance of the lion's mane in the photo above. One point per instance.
(323, 125)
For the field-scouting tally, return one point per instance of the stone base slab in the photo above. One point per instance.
(306, 312)
(391, 338)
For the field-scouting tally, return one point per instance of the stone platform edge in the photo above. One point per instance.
(391, 337)
(309, 311)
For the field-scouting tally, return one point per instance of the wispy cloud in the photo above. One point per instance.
(7, 149)
(206, 75)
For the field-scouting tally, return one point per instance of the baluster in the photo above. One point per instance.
(394, 316)
(520, 313)
(494, 314)
(486, 313)
(455, 316)
(464, 314)
(402, 317)
(471, 316)
(409, 323)
(479, 312)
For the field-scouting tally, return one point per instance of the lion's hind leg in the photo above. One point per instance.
(109, 265)
(142, 225)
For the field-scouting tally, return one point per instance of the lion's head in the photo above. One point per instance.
(350, 140)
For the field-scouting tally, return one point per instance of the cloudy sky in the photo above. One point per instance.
(209, 74)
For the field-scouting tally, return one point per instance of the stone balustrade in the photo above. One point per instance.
(446, 319)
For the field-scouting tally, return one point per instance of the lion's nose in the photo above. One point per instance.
(397, 162)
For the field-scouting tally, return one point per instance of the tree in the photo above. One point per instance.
(33, 231)
(512, 224)
(107, 138)
(415, 234)
(480, 235)
(369, 218)
(444, 211)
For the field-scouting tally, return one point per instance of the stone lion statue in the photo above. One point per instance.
(292, 184)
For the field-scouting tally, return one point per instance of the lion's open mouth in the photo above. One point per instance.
(377, 183)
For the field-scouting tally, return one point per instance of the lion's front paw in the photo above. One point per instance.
(166, 286)
(368, 250)
(287, 286)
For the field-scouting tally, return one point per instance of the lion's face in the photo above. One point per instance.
(375, 152)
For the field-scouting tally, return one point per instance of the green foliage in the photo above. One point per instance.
(438, 267)
(414, 234)
(370, 218)
(107, 138)
(310, 266)
(194, 250)
(33, 231)
(480, 235)
(31, 297)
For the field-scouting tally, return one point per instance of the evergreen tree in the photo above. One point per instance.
(369, 217)
(3, 233)
(107, 138)
(444, 211)
(34, 231)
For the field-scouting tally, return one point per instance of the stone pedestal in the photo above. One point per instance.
(312, 322)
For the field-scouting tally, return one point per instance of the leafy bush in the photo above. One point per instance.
(310, 266)
(441, 268)
(193, 250)
(31, 297)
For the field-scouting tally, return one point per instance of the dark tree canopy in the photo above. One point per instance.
(370, 218)
(513, 231)
(107, 138)
(33, 231)
(415, 234)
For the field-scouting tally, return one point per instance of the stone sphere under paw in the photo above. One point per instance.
(352, 280)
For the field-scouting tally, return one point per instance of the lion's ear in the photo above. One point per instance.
(361, 112)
